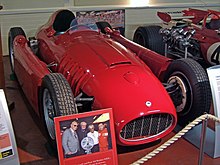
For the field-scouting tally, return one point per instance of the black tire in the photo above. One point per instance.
(102, 25)
(149, 37)
(13, 32)
(56, 99)
(197, 95)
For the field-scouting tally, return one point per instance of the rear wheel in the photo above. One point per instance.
(13, 32)
(150, 37)
(56, 99)
(194, 86)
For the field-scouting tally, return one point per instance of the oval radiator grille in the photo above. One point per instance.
(146, 127)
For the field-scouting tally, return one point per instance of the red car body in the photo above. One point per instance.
(108, 67)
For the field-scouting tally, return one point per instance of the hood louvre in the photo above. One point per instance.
(120, 63)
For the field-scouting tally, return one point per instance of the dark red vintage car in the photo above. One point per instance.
(190, 33)
(71, 68)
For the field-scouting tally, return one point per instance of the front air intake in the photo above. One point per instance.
(146, 127)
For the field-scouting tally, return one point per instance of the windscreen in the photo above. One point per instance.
(76, 25)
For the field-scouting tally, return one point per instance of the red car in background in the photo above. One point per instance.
(72, 68)
(191, 33)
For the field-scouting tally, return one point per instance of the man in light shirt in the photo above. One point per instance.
(95, 137)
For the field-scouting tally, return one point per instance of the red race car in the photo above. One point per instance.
(190, 33)
(71, 68)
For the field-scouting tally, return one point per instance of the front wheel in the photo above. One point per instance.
(195, 89)
(56, 99)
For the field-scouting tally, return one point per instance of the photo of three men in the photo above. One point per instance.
(76, 132)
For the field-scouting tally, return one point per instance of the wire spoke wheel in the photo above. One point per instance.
(49, 113)
(195, 89)
(186, 90)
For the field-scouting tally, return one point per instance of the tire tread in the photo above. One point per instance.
(65, 99)
(153, 39)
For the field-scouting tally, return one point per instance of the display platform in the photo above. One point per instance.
(31, 142)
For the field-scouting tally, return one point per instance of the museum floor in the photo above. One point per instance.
(31, 142)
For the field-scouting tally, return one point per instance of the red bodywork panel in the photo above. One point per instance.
(199, 15)
(117, 72)
(29, 70)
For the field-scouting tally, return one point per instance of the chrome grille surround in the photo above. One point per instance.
(146, 127)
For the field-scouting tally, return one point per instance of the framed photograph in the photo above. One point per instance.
(86, 138)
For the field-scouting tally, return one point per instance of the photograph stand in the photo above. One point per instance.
(212, 140)
(8, 146)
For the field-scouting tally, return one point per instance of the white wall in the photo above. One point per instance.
(99, 2)
(127, 2)
(32, 14)
(29, 22)
(28, 4)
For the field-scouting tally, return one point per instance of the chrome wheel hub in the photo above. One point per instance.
(178, 80)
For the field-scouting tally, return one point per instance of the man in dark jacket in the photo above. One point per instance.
(82, 133)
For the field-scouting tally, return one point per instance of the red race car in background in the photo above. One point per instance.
(190, 33)
(71, 68)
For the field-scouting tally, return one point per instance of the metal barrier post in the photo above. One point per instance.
(202, 141)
